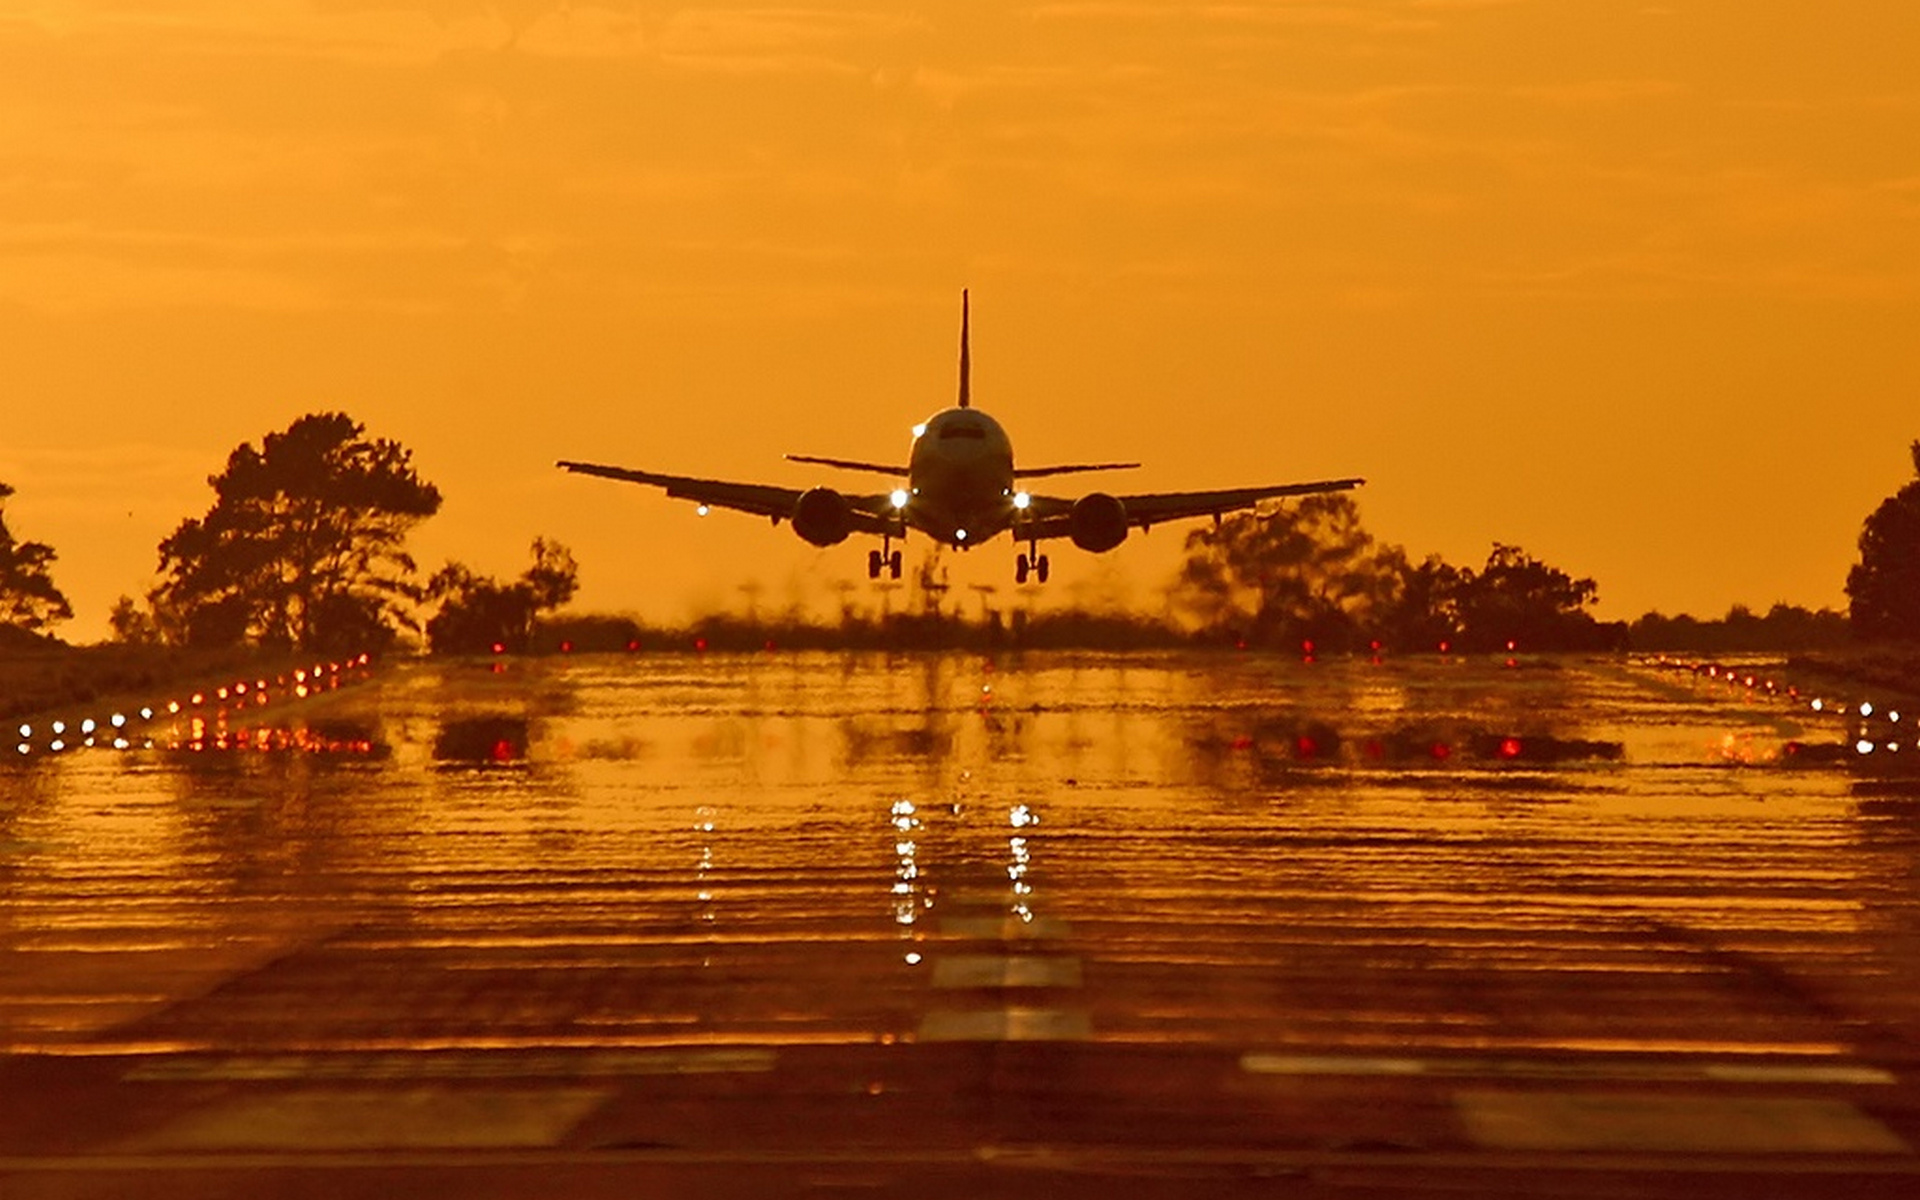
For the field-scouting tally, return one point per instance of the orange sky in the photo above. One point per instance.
(1636, 286)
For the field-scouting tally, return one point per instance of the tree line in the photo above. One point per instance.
(304, 548)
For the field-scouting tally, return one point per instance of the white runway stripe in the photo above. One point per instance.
(1547, 1068)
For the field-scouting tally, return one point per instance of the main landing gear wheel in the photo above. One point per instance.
(877, 562)
(1037, 565)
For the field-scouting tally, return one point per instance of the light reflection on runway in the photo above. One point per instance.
(1267, 858)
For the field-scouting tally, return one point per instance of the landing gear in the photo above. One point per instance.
(1036, 564)
(885, 559)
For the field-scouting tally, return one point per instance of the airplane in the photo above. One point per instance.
(960, 488)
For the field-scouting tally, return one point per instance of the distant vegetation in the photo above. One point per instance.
(304, 549)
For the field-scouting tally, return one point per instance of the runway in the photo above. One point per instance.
(809, 924)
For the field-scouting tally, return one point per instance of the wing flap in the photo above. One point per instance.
(760, 499)
(1052, 516)
(1153, 508)
(1074, 469)
(871, 514)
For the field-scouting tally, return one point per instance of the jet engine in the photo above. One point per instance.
(822, 516)
(1098, 522)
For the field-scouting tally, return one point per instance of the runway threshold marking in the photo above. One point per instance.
(1603, 1121)
(1505, 1068)
(454, 1065)
(429, 1117)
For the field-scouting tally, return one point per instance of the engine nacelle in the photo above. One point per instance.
(822, 516)
(1098, 522)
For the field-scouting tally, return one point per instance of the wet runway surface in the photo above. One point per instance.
(818, 924)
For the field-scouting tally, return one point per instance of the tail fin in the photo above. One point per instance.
(966, 366)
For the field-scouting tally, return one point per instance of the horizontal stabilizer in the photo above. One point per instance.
(1038, 472)
(847, 464)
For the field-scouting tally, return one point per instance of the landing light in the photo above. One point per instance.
(1021, 500)
(899, 497)
(920, 430)
(959, 535)
(703, 510)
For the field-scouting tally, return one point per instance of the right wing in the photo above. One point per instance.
(1052, 516)
(1172, 506)
(760, 499)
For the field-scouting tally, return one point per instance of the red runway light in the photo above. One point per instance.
(1441, 751)
(1509, 747)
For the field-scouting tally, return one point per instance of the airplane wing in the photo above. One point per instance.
(1053, 514)
(760, 499)
(1037, 472)
(847, 464)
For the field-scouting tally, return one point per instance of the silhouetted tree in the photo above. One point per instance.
(1307, 571)
(1784, 627)
(1427, 613)
(1517, 598)
(28, 598)
(1883, 588)
(477, 612)
(304, 544)
(133, 625)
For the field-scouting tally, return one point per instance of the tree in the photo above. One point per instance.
(28, 598)
(478, 613)
(1517, 598)
(1883, 588)
(1307, 572)
(133, 625)
(304, 544)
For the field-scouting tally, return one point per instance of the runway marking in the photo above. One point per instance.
(423, 1118)
(1006, 971)
(1546, 1068)
(1006, 929)
(1006, 1025)
(1547, 1121)
(456, 1065)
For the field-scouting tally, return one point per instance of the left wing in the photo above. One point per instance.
(1053, 515)
(760, 499)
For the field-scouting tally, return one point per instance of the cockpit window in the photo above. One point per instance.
(963, 431)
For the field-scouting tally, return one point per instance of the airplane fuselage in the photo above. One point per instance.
(960, 483)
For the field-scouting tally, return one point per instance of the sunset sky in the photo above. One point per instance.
(1633, 285)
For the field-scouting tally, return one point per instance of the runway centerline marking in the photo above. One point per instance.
(1006, 971)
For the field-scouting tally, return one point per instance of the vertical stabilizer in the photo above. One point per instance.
(966, 366)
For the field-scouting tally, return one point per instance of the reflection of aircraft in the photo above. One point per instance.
(961, 488)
